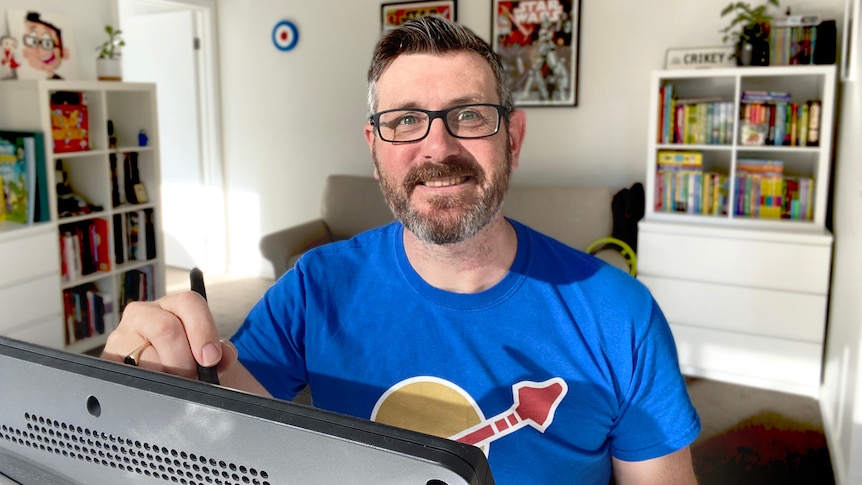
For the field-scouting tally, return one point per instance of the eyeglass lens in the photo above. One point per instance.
(469, 121)
(32, 40)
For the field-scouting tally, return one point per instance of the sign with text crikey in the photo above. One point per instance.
(700, 57)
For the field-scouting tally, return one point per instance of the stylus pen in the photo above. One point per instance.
(196, 278)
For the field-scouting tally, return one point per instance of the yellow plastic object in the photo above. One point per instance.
(624, 249)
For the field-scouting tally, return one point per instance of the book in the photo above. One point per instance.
(804, 114)
(764, 96)
(70, 125)
(101, 244)
(85, 246)
(813, 123)
(119, 239)
(142, 250)
(41, 208)
(15, 180)
(676, 159)
(117, 196)
(795, 21)
(150, 230)
(134, 234)
(71, 256)
(86, 311)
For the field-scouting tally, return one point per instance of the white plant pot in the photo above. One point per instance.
(109, 69)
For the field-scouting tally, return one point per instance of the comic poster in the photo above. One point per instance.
(537, 40)
(395, 14)
(41, 45)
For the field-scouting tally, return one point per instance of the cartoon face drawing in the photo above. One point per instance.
(43, 45)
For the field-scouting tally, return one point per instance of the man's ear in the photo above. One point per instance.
(369, 135)
(517, 131)
(65, 53)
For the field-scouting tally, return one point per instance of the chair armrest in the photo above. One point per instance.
(282, 248)
(616, 252)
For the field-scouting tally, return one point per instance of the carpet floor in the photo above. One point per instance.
(766, 449)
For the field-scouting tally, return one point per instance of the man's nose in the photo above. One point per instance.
(439, 141)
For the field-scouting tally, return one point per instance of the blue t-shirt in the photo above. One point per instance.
(564, 363)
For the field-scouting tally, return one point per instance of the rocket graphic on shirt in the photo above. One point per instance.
(441, 408)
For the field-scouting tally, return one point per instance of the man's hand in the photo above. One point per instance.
(181, 332)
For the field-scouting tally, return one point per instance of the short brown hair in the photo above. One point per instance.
(433, 35)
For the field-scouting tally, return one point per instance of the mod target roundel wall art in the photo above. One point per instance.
(285, 35)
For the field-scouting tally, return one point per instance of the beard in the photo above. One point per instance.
(452, 218)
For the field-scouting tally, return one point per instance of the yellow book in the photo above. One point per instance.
(2, 200)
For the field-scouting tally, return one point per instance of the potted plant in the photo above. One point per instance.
(108, 65)
(749, 29)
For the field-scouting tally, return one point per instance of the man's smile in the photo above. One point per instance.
(447, 182)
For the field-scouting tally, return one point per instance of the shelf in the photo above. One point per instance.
(795, 195)
(745, 296)
(101, 152)
(131, 107)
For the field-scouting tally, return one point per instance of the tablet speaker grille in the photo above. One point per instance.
(133, 456)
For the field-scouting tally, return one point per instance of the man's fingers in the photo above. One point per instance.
(198, 328)
(180, 328)
(198, 324)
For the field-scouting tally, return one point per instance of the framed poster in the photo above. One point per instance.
(46, 44)
(395, 14)
(537, 41)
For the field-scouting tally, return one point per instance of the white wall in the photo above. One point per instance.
(841, 396)
(291, 118)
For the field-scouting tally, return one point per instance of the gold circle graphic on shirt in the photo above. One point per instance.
(429, 405)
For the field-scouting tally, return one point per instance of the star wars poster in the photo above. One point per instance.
(395, 14)
(537, 40)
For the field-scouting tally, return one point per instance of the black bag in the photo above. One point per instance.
(628, 207)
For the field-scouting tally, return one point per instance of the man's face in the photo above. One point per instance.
(443, 189)
(42, 48)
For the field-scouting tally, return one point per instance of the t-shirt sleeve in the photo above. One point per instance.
(657, 416)
(270, 341)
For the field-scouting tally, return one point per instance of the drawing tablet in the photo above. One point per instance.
(69, 418)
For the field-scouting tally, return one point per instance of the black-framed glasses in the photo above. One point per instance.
(463, 121)
(32, 40)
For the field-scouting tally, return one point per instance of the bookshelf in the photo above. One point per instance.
(88, 259)
(734, 244)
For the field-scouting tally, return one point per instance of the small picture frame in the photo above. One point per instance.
(538, 43)
(392, 15)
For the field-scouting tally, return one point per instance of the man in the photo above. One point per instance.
(444, 321)
(43, 45)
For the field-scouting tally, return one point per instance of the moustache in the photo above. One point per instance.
(451, 167)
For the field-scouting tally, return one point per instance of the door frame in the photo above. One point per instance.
(205, 25)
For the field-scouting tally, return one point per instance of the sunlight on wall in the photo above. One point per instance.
(244, 230)
(184, 229)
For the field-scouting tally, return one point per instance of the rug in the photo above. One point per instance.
(765, 449)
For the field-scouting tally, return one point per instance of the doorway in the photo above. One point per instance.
(172, 44)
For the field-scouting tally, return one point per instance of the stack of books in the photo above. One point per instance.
(772, 118)
(683, 186)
